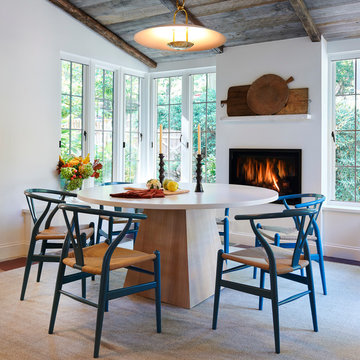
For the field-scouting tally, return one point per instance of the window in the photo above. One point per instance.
(72, 106)
(204, 113)
(104, 114)
(169, 112)
(132, 133)
(91, 107)
(347, 130)
(181, 104)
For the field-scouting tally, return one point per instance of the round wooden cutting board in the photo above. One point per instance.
(268, 94)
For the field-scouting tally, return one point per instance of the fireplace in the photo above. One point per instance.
(277, 169)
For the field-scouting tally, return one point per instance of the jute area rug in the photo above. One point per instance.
(129, 326)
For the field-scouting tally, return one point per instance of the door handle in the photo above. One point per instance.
(333, 136)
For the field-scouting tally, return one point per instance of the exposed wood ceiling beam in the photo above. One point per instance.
(103, 31)
(303, 13)
(171, 5)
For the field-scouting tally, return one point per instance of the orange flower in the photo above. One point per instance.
(74, 162)
(87, 159)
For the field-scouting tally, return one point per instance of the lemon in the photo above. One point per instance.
(172, 186)
(165, 183)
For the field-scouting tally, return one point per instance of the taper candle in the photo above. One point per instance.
(160, 141)
(199, 140)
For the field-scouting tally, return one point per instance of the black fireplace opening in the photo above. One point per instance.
(277, 169)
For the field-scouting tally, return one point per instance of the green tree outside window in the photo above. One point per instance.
(131, 127)
(104, 114)
(204, 113)
(72, 104)
(347, 126)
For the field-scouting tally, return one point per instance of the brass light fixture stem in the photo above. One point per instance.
(181, 45)
(181, 8)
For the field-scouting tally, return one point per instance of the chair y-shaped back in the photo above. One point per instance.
(56, 234)
(111, 221)
(276, 261)
(286, 237)
(100, 259)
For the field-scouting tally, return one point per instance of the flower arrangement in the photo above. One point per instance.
(153, 184)
(75, 169)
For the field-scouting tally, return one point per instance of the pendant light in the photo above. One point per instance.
(179, 37)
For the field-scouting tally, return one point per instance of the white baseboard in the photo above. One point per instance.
(8, 252)
(342, 251)
(334, 250)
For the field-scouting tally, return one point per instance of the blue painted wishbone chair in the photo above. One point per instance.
(43, 205)
(112, 221)
(100, 259)
(274, 260)
(286, 236)
(225, 223)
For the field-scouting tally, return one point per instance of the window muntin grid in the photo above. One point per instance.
(131, 127)
(169, 113)
(204, 113)
(72, 107)
(347, 130)
(104, 118)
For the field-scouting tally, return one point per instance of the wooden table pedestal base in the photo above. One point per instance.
(188, 241)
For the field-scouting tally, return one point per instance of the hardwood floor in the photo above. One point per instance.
(12, 264)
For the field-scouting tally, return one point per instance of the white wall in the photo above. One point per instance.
(175, 66)
(30, 73)
(242, 65)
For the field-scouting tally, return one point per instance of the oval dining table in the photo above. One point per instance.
(183, 228)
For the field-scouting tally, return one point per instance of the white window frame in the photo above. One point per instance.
(119, 108)
(116, 117)
(141, 134)
(332, 58)
(85, 85)
(143, 123)
(191, 107)
(186, 131)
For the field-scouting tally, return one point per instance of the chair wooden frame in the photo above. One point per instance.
(316, 204)
(226, 228)
(80, 262)
(111, 221)
(301, 246)
(44, 195)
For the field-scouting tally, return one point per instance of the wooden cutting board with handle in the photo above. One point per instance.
(237, 102)
(166, 192)
(268, 94)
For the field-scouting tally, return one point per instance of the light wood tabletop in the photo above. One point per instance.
(215, 196)
(183, 228)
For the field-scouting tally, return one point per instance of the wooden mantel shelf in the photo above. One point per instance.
(267, 117)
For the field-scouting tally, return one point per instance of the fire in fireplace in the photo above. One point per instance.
(277, 169)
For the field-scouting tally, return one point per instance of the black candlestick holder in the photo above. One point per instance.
(161, 168)
(199, 187)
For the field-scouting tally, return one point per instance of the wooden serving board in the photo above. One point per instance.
(237, 102)
(298, 102)
(166, 192)
(268, 94)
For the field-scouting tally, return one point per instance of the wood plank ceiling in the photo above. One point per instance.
(241, 21)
